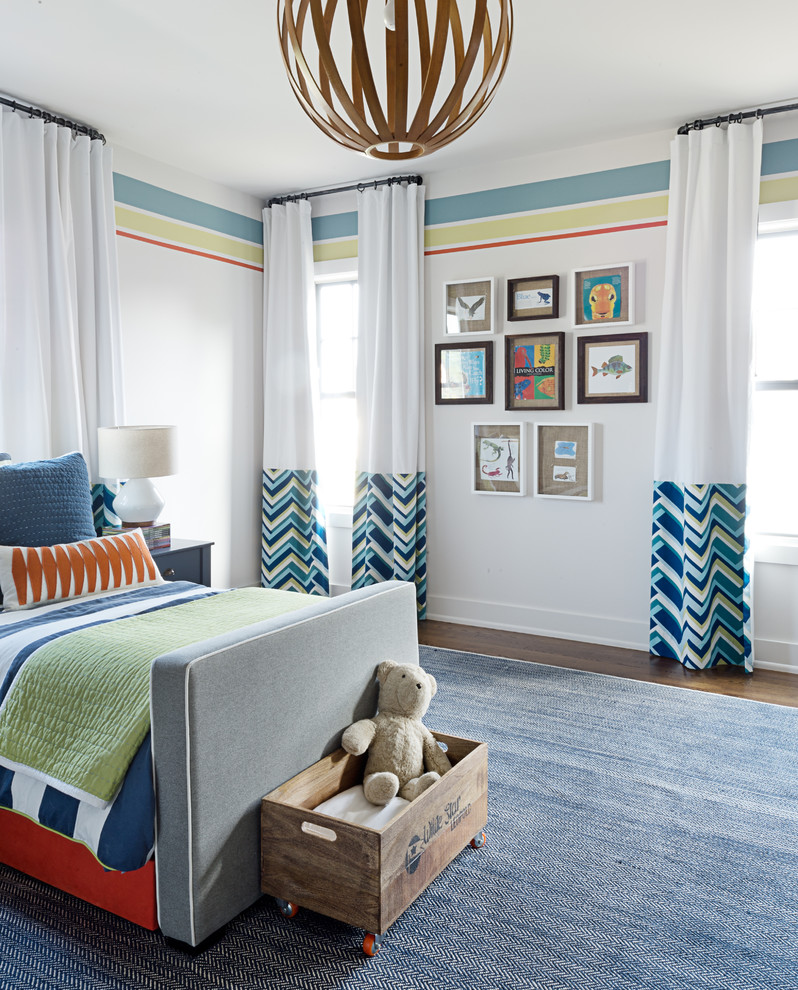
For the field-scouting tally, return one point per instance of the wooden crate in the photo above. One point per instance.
(363, 876)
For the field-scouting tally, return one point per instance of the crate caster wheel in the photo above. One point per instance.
(287, 908)
(479, 840)
(372, 944)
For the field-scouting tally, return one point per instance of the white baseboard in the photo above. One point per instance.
(624, 633)
(770, 654)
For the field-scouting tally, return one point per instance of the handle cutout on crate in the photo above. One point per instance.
(319, 831)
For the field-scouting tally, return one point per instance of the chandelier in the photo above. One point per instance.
(394, 79)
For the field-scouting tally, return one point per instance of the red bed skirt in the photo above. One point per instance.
(70, 866)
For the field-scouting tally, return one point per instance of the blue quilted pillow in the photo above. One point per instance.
(46, 502)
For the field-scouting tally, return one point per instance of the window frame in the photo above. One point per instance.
(326, 273)
(776, 548)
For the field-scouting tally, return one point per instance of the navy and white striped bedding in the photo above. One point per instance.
(121, 835)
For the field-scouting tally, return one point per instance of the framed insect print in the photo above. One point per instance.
(564, 461)
(464, 373)
(534, 371)
(533, 298)
(612, 368)
(604, 296)
(469, 306)
(498, 458)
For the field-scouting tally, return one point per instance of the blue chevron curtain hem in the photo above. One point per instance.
(102, 501)
(700, 576)
(389, 532)
(294, 534)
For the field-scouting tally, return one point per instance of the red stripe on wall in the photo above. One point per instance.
(185, 250)
(548, 237)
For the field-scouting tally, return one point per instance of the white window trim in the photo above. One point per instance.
(776, 548)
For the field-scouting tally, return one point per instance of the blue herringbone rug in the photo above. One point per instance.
(639, 836)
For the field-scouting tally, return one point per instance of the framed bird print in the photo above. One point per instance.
(469, 306)
(612, 368)
(604, 297)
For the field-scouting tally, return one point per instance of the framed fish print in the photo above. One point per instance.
(498, 458)
(464, 373)
(604, 297)
(612, 368)
(469, 306)
(534, 371)
(533, 298)
(564, 461)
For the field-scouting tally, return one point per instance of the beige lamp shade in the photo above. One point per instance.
(136, 454)
(137, 451)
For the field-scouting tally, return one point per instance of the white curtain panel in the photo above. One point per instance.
(705, 375)
(293, 530)
(390, 360)
(60, 341)
(290, 372)
(701, 579)
(389, 517)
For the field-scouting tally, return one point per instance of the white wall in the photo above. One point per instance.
(193, 357)
(551, 567)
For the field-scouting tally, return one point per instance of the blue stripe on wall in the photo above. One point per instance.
(143, 196)
(333, 226)
(780, 156)
(633, 180)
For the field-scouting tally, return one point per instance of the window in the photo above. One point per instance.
(773, 467)
(336, 434)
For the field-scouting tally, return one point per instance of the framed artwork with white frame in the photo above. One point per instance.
(604, 296)
(498, 458)
(469, 306)
(564, 461)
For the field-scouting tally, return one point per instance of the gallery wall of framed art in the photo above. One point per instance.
(544, 372)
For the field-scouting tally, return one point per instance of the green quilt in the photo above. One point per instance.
(79, 707)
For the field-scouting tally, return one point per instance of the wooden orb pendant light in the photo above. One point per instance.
(395, 79)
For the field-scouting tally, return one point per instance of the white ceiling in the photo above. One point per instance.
(199, 84)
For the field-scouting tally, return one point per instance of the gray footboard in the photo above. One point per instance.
(234, 717)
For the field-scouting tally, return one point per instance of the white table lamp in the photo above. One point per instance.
(136, 454)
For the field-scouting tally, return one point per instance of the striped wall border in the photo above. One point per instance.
(153, 215)
(634, 197)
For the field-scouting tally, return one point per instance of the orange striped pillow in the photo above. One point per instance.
(31, 576)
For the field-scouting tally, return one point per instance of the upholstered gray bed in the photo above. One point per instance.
(236, 716)
(227, 718)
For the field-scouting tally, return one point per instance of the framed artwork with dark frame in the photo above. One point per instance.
(533, 298)
(534, 371)
(468, 306)
(464, 374)
(604, 296)
(564, 461)
(612, 368)
(498, 458)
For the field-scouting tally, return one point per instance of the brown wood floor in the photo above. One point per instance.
(763, 685)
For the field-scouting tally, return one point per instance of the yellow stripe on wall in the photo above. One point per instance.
(778, 190)
(334, 250)
(601, 215)
(169, 230)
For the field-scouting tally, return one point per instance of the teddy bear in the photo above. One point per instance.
(403, 756)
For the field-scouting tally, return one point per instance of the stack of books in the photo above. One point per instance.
(156, 537)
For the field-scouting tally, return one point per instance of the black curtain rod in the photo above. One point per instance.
(52, 118)
(735, 118)
(360, 186)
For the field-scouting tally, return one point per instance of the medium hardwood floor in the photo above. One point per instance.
(763, 685)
